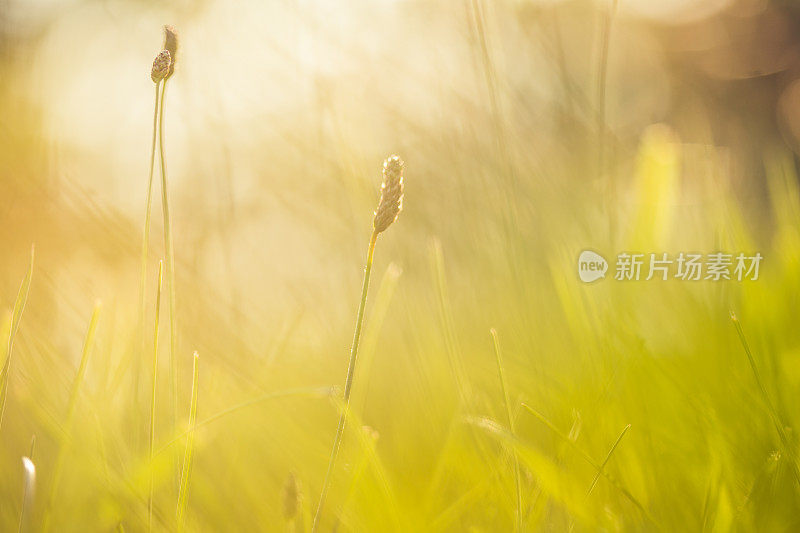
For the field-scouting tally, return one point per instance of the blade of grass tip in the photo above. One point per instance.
(153, 394)
(588, 458)
(173, 361)
(773, 412)
(16, 316)
(28, 490)
(73, 400)
(608, 456)
(564, 489)
(188, 455)
(756, 374)
(146, 238)
(348, 382)
(86, 352)
(510, 421)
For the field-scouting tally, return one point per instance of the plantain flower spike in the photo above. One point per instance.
(391, 202)
(161, 66)
(171, 45)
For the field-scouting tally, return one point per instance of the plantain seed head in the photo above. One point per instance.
(391, 202)
(171, 45)
(161, 65)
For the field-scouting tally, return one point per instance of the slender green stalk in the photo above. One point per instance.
(771, 409)
(173, 362)
(351, 367)
(369, 343)
(153, 396)
(16, 316)
(605, 461)
(146, 238)
(189, 452)
(510, 421)
(588, 458)
(73, 400)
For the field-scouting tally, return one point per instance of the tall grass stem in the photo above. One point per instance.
(146, 239)
(153, 394)
(173, 362)
(351, 367)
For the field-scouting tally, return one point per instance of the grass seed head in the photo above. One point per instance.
(171, 45)
(161, 66)
(391, 202)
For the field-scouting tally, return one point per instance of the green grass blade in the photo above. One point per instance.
(73, 399)
(188, 455)
(16, 316)
(771, 409)
(509, 421)
(608, 456)
(589, 459)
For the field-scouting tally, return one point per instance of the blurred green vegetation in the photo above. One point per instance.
(277, 121)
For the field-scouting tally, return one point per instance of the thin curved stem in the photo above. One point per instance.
(173, 362)
(153, 395)
(146, 237)
(351, 368)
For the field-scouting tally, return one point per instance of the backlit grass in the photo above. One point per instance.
(494, 391)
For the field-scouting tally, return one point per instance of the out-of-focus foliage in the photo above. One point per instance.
(517, 157)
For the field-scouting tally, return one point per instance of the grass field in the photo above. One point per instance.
(493, 390)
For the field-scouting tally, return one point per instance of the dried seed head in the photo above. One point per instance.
(391, 202)
(171, 45)
(161, 66)
(292, 497)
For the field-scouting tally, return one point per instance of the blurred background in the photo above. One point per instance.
(531, 130)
